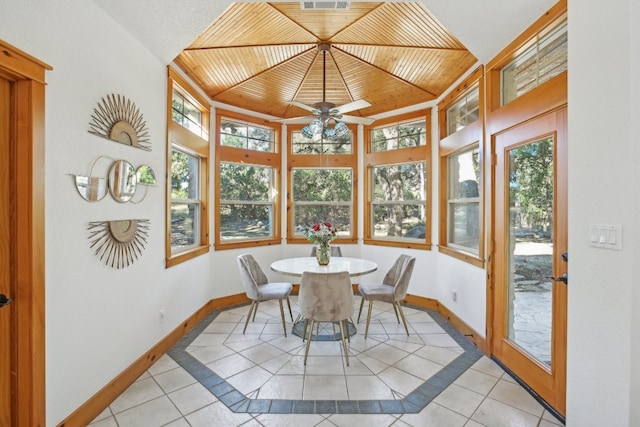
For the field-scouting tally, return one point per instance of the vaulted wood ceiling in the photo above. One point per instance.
(260, 56)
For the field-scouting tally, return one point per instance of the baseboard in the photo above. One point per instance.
(432, 304)
(103, 398)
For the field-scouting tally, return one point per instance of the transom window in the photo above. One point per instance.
(399, 135)
(235, 133)
(541, 62)
(464, 112)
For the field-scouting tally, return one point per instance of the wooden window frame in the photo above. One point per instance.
(228, 154)
(453, 144)
(330, 161)
(179, 136)
(397, 156)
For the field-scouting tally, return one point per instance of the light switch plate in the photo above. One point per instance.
(605, 236)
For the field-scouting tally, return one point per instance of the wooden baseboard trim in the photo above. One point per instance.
(458, 323)
(103, 398)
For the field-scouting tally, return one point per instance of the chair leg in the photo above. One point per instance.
(404, 319)
(396, 311)
(253, 302)
(306, 351)
(290, 312)
(284, 326)
(344, 343)
(256, 310)
(304, 329)
(366, 331)
(360, 312)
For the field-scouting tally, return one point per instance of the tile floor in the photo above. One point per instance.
(217, 376)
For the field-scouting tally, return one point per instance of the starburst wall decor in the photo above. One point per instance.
(119, 243)
(117, 118)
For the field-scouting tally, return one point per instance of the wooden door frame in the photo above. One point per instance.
(27, 189)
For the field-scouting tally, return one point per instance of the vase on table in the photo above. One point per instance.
(323, 253)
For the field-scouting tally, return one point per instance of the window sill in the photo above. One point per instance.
(463, 256)
(186, 256)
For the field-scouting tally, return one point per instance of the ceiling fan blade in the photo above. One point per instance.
(352, 106)
(357, 120)
(303, 106)
(295, 120)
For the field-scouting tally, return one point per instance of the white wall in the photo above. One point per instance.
(603, 188)
(99, 320)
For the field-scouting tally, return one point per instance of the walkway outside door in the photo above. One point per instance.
(530, 226)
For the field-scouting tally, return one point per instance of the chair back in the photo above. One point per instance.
(251, 274)
(394, 273)
(326, 297)
(402, 280)
(335, 251)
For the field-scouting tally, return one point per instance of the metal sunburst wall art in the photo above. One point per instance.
(117, 118)
(119, 243)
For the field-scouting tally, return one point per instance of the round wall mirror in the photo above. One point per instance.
(145, 175)
(91, 188)
(122, 181)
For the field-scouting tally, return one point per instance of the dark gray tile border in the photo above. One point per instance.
(414, 402)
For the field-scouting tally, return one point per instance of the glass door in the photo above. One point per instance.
(530, 222)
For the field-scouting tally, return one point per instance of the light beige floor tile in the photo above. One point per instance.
(324, 365)
(399, 381)
(239, 342)
(374, 365)
(206, 339)
(163, 364)
(418, 367)
(230, 365)
(178, 423)
(217, 327)
(359, 420)
(104, 414)
(497, 414)
(545, 423)
(472, 423)
(435, 415)
(110, 421)
(289, 420)
(261, 353)
(277, 363)
(191, 398)
(282, 387)
(460, 400)
(295, 366)
(439, 340)
(427, 328)
(209, 354)
(514, 395)
(386, 353)
(367, 387)
(488, 366)
(252, 379)
(156, 412)
(476, 381)
(137, 393)
(549, 417)
(174, 379)
(356, 367)
(406, 343)
(325, 348)
(332, 387)
(216, 414)
(442, 356)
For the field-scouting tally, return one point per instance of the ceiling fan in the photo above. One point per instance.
(324, 111)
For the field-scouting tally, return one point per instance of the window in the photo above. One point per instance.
(544, 60)
(321, 185)
(247, 179)
(187, 186)
(460, 208)
(396, 182)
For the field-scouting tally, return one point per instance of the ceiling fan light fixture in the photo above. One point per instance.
(340, 129)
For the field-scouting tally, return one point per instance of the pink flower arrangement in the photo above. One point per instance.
(321, 233)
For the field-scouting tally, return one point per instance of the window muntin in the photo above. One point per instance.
(246, 201)
(464, 112)
(398, 207)
(544, 60)
(322, 194)
(398, 135)
(186, 114)
(302, 145)
(463, 200)
(235, 133)
(185, 201)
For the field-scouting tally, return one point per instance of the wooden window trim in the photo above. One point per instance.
(310, 161)
(227, 154)
(460, 141)
(197, 145)
(400, 155)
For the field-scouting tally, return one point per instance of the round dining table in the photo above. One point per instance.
(297, 266)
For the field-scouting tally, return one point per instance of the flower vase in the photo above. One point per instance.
(323, 253)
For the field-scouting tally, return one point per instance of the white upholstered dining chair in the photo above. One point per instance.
(258, 288)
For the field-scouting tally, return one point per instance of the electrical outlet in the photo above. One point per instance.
(454, 295)
(162, 313)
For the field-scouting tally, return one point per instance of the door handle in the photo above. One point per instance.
(4, 300)
(564, 278)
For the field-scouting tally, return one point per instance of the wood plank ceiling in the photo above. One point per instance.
(260, 56)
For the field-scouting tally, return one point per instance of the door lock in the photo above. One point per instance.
(564, 278)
